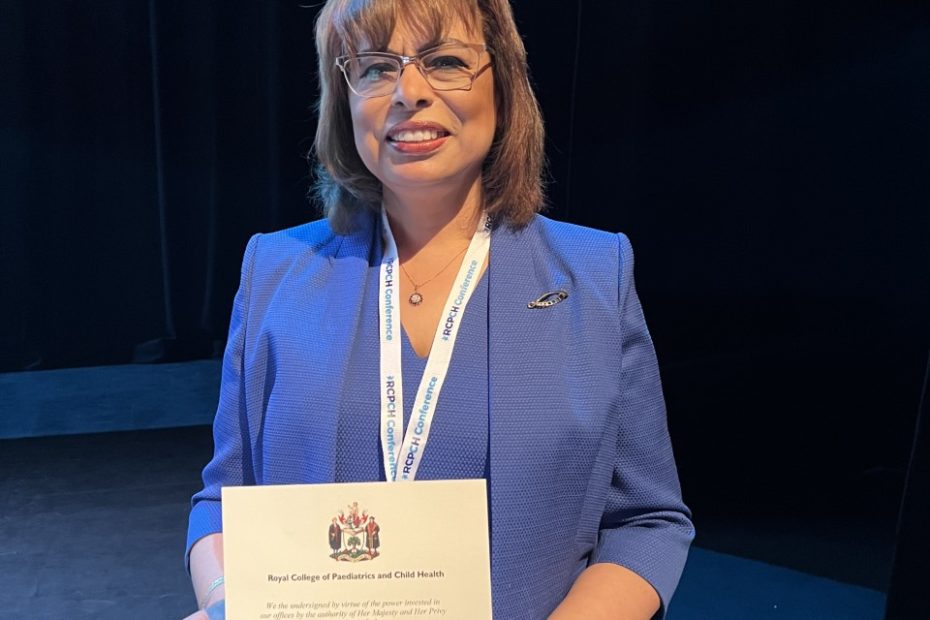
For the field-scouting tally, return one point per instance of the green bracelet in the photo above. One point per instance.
(213, 586)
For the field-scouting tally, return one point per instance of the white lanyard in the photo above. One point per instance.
(401, 462)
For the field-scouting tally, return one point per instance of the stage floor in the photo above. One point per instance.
(93, 526)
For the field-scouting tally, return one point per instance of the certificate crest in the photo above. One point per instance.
(354, 536)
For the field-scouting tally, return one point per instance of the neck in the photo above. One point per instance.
(432, 217)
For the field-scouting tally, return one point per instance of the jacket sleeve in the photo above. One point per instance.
(231, 464)
(646, 526)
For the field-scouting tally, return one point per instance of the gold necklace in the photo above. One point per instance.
(416, 298)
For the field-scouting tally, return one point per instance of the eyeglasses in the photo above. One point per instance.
(450, 66)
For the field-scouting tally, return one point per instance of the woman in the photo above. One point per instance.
(431, 147)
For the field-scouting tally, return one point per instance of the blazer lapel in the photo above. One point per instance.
(523, 362)
(332, 280)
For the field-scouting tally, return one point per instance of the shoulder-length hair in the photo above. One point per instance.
(512, 173)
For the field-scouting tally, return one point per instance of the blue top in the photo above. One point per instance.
(577, 445)
(458, 440)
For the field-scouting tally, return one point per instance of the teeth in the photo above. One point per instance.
(419, 135)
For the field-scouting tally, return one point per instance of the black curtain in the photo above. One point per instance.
(768, 160)
(770, 163)
(142, 143)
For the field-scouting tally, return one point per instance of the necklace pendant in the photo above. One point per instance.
(415, 299)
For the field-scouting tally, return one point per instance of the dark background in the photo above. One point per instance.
(768, 160)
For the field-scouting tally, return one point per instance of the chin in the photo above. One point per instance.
(414, 176)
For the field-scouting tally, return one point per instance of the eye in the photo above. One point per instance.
(446, 61)
(371, 70)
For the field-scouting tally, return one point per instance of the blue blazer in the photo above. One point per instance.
(579, 448)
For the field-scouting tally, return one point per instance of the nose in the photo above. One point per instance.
(412, 91)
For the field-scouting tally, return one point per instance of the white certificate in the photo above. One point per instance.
(357, 550)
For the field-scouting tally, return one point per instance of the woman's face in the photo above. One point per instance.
(394, 133)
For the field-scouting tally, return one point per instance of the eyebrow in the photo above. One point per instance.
(425, 46)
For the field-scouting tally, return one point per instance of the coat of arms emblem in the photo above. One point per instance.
(354, 536)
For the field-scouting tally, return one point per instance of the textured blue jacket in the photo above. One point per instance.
(579, 449)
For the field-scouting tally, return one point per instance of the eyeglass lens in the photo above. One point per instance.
(450, 67)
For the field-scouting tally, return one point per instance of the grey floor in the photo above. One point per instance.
(93, 525)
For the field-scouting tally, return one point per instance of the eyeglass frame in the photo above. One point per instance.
(415, 60)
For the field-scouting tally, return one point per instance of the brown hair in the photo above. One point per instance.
(513, 169)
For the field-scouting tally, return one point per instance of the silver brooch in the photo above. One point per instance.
(549, 299)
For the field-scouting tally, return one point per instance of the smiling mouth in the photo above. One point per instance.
(418, 135)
